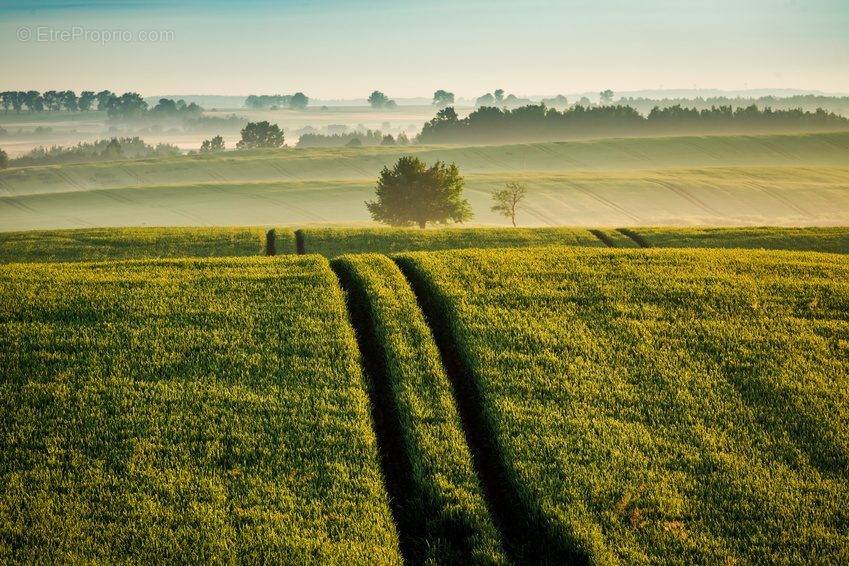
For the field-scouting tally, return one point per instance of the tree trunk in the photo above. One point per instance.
(422, 224)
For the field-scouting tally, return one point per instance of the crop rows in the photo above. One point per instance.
(657, 406)
(834, 240)
(185, 411)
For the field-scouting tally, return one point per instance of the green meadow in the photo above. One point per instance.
(791, 180)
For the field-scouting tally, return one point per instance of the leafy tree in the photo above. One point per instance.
(4, 159)
(402, 139)
(355, 142)
(6, 100)
(499, 95)
(411, 193)
(606, 96)
(68, 100)
(103, 99)
(261, 134)
(113, 149)
(443, 98)
(52, 100)
(508, 200)
(33, 101)
(299, 101)
(485, 100)
(86, 100)
(128, 105)
(379, 100)
(387, 140)
(17, 99)
(213, 145)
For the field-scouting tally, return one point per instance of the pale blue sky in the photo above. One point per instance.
(334, 49)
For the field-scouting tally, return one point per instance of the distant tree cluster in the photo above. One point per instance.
(261, 135)
(497, 98)
(48, 101)
(443, 98)
(539, 123)
(366, 138)
(297, 101)
(213, 145)
(379, 100)
(101, 150)
(810, 103)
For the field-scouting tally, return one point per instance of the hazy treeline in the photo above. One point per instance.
(125, 106)
(540, 123)
(809, 102)
(101, 150)
(369, 137)
(297, 101)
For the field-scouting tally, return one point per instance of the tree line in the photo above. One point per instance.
(297, 101)
(538, 122)
(124, 106)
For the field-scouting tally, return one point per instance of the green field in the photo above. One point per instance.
(660, 406)
(332, 242)
(137, 243)
(791, 180)
(441, 503)
(185, 411)
(835, 240)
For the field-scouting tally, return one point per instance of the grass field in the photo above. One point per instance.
(835, 240)
(655, 405)
(793, 180)
(137, 243)
(332, 242)
(185, 411)
(442, 515)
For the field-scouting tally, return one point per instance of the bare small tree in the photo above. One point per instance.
(508, 200)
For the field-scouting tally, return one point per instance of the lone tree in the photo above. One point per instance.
(261, 134)
(411, 193)
(213, 145)
(4, 159)
(379, 100)
(508, 200)
(443, 98)
(606, 96)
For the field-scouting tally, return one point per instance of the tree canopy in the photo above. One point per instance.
(443, 98)
(411, 193)
(261, 134)
(379, 100)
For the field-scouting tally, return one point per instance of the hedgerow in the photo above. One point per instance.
(672, 406)
(442, 512)
(185, 411)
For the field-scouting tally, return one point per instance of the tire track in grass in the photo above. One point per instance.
(638, 238)
(397, 470)
(527, 537)
(438, 505)
(603, 237)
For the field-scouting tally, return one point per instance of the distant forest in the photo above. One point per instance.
(809, 102)
(297, 101)
(540, 123)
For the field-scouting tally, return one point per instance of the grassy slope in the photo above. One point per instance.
(834, 240)
(652, 406)
(185, 411)
(332, 242)
(791, 180)
(137, 243)
(442, 506)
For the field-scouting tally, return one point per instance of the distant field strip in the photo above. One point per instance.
(137, 243)
(185, 411)
(440, 507)
(333, 242)
(790, 196)
(657, 406)
(835, 240)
